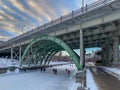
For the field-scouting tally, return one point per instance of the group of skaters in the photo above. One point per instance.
(42, 69)
(71, 65)
(68, 71)
(55, 71)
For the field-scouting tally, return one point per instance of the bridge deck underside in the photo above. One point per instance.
(95, 36)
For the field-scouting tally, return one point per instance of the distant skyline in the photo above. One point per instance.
(31, 13)
(88, 50)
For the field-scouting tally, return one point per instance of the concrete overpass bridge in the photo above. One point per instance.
(94, 25)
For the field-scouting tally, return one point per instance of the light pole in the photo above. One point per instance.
(82, 3)
(23, 28)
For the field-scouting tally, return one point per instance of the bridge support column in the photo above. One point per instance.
(81, 48)
(11, 53)
(104, 55)
(82, 57)
(116, 51)
(107, 54)
(110, 57)
(20, 53)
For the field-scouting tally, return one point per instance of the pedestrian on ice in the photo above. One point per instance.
(41, 69)
(68, 72)
(53, 71)
(44, 69)
(66, 69)
(56, 71)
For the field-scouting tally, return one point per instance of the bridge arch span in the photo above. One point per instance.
(51, 46)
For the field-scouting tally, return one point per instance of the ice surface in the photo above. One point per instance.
(37, 80)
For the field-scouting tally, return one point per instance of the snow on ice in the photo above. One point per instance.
(36, 80)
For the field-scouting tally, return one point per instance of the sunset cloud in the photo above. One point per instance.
(31, 13)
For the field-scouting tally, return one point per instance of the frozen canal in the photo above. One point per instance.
(37, 80)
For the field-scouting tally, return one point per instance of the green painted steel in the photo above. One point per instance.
(39, 59)
(50, 57)
(43, 59)
(39, 49)
(58, 43)
(42, 52)
(49, 54)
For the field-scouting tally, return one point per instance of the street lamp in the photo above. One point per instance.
(23, 28)
(82, 3)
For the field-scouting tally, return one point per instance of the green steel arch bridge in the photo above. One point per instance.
(44, 48)
(94, 25)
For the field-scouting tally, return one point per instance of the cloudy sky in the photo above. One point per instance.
(14, 14)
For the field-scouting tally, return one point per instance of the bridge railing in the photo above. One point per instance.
(66, 17)
(58, 20)
(98, 3)
(80, 11)
(75, 13)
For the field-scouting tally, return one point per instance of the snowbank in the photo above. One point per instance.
(113, 71)
(90, 81)
(4, 62)
(52, 63)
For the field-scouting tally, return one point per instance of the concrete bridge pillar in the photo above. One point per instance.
(81, 48)
(116, 51)
(20, 53)
(102, 55)
(107, 54)
(11, 53)
(110, 56)
(82, 55)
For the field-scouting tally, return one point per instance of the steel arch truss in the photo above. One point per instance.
(44, 48)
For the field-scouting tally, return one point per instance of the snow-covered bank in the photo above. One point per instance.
(52, 63)
(4, 62)
(113, 71)
(90, 80)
